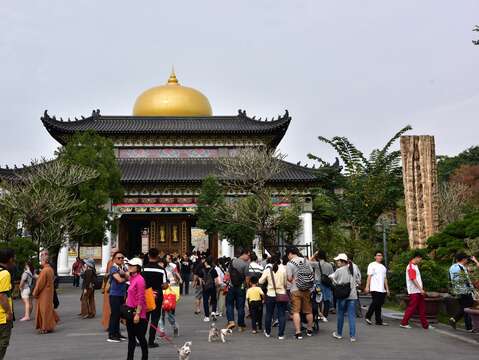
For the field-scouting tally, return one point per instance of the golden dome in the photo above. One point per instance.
(172, 99)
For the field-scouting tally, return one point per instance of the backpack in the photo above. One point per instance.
(305, 276)
(208, 280)
(237, 278)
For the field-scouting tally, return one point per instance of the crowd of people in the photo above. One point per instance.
(142, 293)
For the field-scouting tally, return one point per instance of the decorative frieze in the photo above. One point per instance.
(176, 153)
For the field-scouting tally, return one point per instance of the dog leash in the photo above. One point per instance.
(163, 335)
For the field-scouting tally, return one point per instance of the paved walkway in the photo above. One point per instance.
(84, 339)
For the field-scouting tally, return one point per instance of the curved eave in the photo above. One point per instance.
(193, 171)
(155, 125)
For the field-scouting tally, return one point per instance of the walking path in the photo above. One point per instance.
(84, 339)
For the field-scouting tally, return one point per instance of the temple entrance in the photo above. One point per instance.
(168, 233)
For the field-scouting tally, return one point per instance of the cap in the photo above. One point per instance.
(341, 256)
(135, 261)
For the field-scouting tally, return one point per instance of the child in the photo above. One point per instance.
(254, 297)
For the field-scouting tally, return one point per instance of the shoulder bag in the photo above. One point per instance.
(279, 297)
(325, 279)
(342, 291)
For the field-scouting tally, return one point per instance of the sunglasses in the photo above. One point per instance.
(120, 257)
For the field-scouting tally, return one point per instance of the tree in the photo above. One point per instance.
(468, 175)
(447, 165)
(96, 152)
(453, 198)
(249, 173)
(210, 204)
(368, 188)
(43, 201)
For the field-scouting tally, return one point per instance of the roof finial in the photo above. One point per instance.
(173, 80)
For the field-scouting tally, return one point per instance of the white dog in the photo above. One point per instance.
(184, 352)
(216, 334)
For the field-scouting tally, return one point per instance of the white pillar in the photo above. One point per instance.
(62, 261)
(306, 236)
(226, 249)
(105, 252)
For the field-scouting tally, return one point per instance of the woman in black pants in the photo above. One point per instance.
(185, 270)
(136, 302)
(210, 280)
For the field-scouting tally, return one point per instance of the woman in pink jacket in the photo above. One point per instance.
(136, 300)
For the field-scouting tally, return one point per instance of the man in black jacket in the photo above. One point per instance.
(155, 278)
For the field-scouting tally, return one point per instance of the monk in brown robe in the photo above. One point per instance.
(46, 317)
(105, 289)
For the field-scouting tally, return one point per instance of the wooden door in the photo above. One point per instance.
(169, 236)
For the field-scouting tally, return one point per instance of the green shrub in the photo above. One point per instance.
(453, 238)
(434, 275)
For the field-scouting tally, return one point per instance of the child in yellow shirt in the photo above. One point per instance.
(254, 297)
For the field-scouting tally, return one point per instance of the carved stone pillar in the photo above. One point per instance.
(420, 188)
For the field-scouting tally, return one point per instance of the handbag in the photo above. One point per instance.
(325, 279)
(150, 300)
(127, 313)
(342, 291)
(279, 297)
(169, 299)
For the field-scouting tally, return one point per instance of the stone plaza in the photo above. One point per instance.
(75, 338)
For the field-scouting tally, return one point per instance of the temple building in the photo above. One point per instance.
(164, 150)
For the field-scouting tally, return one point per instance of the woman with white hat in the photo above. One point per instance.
(344, 280)
(135, 300)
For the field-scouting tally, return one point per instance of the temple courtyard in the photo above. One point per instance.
(84, 339)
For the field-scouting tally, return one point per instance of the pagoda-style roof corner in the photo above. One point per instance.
(112, 125)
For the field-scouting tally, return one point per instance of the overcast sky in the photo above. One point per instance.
(361, 69)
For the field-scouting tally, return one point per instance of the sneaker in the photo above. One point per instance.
(254, 332)
(231, 325)
(336, 336)
(123, 338)
(383, 324)
(452, 322)
(266, 334)
(176, 332)
(206, 319)
(299, 336)
(353, 339)
(430, 327)
(281, 337)
(324, 319)
(405, 326)
(368, 321)
(113, 339)
(153, 345)
(309, 333)
(275, 323)
(241, 328)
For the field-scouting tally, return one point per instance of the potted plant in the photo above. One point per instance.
(434, 277)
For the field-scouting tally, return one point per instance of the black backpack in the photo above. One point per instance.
(208, 279)
(237, 278)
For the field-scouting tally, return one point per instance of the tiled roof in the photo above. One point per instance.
(195, 170)
(161, 125)
(186, 170)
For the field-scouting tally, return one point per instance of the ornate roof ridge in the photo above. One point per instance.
(46, 118)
